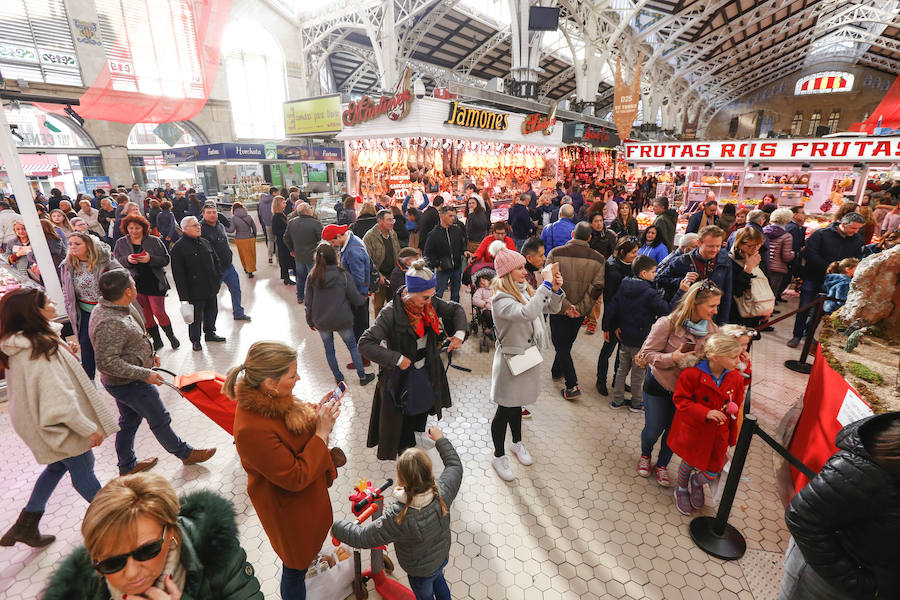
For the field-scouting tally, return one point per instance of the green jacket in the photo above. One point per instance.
(375, 247)
(216, 565)
(422, 540)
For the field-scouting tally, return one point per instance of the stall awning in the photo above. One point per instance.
(36, 165)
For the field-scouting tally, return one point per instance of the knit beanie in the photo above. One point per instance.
(507, 260)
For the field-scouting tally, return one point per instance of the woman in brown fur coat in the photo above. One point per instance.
(283, 445)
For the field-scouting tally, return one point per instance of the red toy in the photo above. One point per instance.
(368, 502)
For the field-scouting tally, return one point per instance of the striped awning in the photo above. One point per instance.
(832, 83)
(37, 165)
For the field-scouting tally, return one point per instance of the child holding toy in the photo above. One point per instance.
(419, 522)
(705, 423)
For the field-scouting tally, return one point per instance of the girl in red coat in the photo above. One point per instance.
(706, 406)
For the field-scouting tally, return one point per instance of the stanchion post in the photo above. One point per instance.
(801, 366)
(714, 535)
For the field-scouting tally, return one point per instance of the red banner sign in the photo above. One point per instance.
(886, 149)
(829, 404)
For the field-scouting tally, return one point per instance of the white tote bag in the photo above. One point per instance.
(330, 576)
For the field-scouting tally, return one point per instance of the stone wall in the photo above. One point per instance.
(783, 105)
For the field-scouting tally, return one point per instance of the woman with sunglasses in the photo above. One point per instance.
(53, 406)
(139, 537)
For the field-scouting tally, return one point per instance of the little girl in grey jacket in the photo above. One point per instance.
(419, 523)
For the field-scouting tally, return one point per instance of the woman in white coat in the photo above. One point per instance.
(53, 406)
(518, 311)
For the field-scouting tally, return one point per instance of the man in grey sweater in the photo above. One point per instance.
(304, 232)
(125, 356)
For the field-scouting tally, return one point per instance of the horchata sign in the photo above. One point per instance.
(625, 99)
(886, 149)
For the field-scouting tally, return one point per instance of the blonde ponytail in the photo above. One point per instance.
(265, 360)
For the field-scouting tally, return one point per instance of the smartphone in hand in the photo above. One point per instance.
(338, 392)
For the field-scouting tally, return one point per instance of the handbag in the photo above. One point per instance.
(530, 358)
(330, 576)
(758, 300)
(416, 392)
(187, 312)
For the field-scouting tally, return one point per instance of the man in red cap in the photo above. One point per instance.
(355, 261)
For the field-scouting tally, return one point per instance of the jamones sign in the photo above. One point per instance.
(793, 150)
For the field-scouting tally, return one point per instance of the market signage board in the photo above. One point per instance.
(477, 118)
(223, 151)
(396, 107)
(538, 122)
(582, 133)
(789, 150)
(321, 114)
(312, 152)
(625, 99)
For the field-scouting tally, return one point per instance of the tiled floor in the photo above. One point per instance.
(577, 524)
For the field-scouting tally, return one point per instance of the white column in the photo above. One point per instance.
(25, 201)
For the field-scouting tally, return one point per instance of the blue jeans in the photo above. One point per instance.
(808, 292)
(350, 342)
(432, 587)
(87, 348)
(658, 413)
(301, 271)
(137, 401)
(230, 279)
(293, 583)
(453, 278)
(81, 470)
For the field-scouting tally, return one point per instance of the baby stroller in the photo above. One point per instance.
(481, 318)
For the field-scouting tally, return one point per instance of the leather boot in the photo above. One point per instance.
(171, 335)
(157, 339)
(25, 530)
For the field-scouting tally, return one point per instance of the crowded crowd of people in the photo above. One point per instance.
(677, 311)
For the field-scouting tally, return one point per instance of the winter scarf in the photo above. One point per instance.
(420, 317)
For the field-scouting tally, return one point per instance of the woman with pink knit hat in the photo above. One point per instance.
(518, 311)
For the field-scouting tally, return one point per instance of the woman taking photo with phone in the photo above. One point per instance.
(283, 445)
(518, 311)
(669, 349)
(146, 256)
(141, 542)
(53, 406)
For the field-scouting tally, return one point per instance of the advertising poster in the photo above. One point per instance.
(313, 115)
(93, 183)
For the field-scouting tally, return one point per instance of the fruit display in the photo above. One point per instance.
(785, 178)
(378, 164)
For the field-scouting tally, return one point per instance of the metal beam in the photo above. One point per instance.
(468, 64)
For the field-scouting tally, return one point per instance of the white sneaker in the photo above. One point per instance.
(522, 453)
(423, 441)
(501, 465)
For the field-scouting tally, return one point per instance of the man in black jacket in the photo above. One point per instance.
(213, 230)
(835, 242)
(429, 219)
(195, 268)
(444, 251)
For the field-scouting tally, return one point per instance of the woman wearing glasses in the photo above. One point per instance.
(145, 543)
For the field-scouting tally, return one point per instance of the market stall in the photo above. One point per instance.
(821, 174)
(439, 144)
(590, 154)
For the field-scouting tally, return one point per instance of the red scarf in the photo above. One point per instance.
(420, 317)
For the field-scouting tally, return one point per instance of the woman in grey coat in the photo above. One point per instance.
(244, 228)
(517, 309)
(329, 297)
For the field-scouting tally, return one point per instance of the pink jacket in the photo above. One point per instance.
(482, 298)
(661, 343)
(781, 252)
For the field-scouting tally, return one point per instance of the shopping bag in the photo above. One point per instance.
(187, 312)
(330, 576)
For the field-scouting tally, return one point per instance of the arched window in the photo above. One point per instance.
(825, 82)
(254, 65)
(161, 136)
